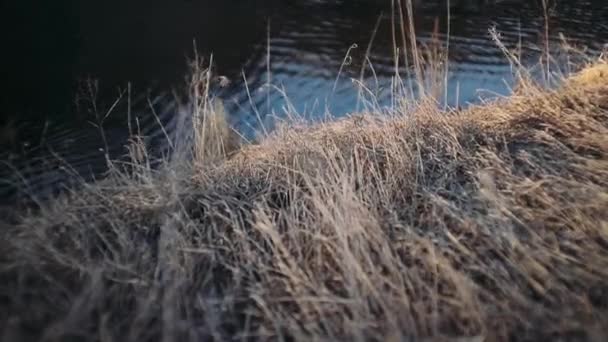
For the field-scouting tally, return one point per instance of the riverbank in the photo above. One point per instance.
(487, 224)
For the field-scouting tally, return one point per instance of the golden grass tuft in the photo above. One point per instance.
(592, 76)
(487, 224)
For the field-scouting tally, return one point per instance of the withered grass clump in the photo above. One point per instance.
(489, 224)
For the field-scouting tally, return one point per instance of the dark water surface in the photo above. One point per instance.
(53, 51)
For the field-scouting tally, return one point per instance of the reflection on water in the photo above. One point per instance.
(51, 47)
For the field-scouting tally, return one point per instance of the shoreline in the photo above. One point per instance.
(487, 224)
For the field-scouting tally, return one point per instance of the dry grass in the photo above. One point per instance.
(489, 224)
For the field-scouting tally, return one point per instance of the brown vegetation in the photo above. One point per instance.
(489, 224)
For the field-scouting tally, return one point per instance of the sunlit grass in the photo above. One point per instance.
(486, 224)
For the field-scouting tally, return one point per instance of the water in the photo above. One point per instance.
(54, 50)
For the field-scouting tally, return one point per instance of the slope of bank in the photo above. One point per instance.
(489, 224)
